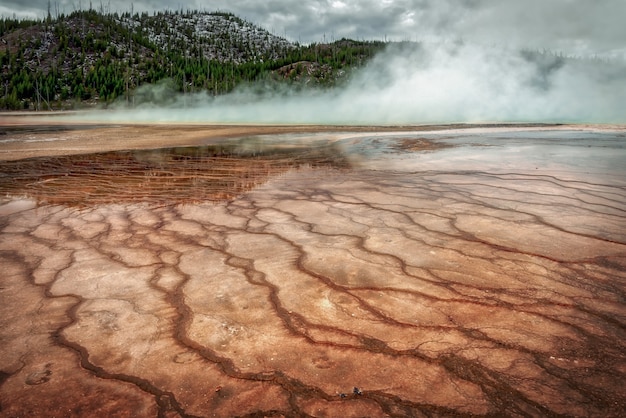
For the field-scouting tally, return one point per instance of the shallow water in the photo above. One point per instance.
(164, 175)
(370, 275)
(575, 153)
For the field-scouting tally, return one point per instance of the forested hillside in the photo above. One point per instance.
(89, 57)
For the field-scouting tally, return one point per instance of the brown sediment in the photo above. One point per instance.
(41, 136)
(323, 291)
(46, 140)
(418, 144)
(166, 175)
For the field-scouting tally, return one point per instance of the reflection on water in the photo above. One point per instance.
(172, 175)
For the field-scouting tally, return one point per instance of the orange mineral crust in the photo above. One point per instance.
(348, 274)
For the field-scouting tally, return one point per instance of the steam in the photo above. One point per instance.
(411, 83)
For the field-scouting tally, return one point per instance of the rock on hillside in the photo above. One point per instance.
(215, 36)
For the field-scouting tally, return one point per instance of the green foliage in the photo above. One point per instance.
(88, 55)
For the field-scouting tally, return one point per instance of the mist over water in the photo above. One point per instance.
(417, 83)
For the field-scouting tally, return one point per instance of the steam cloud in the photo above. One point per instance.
(422, 83)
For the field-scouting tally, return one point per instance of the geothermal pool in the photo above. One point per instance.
(337, 272)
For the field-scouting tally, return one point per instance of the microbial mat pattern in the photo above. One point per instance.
(166, 175)
(327, 290)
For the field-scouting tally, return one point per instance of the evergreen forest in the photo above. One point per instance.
(92, 58)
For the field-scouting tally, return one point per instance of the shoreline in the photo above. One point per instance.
(29, 136)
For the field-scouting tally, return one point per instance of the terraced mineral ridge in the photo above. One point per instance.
(460, 272)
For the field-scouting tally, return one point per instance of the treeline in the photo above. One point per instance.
(94, 57)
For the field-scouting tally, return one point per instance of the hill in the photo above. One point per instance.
(90, 57)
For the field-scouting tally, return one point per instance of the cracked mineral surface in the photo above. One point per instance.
(418, 273)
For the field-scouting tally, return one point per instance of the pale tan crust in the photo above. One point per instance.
(34, 135)
(323, 289)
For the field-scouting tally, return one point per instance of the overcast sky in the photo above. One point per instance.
(580, 27)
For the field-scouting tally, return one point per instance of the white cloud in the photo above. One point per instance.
(437, 83)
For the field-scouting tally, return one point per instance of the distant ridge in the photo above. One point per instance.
(89, 57)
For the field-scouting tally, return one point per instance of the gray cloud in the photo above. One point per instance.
(582, 27)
